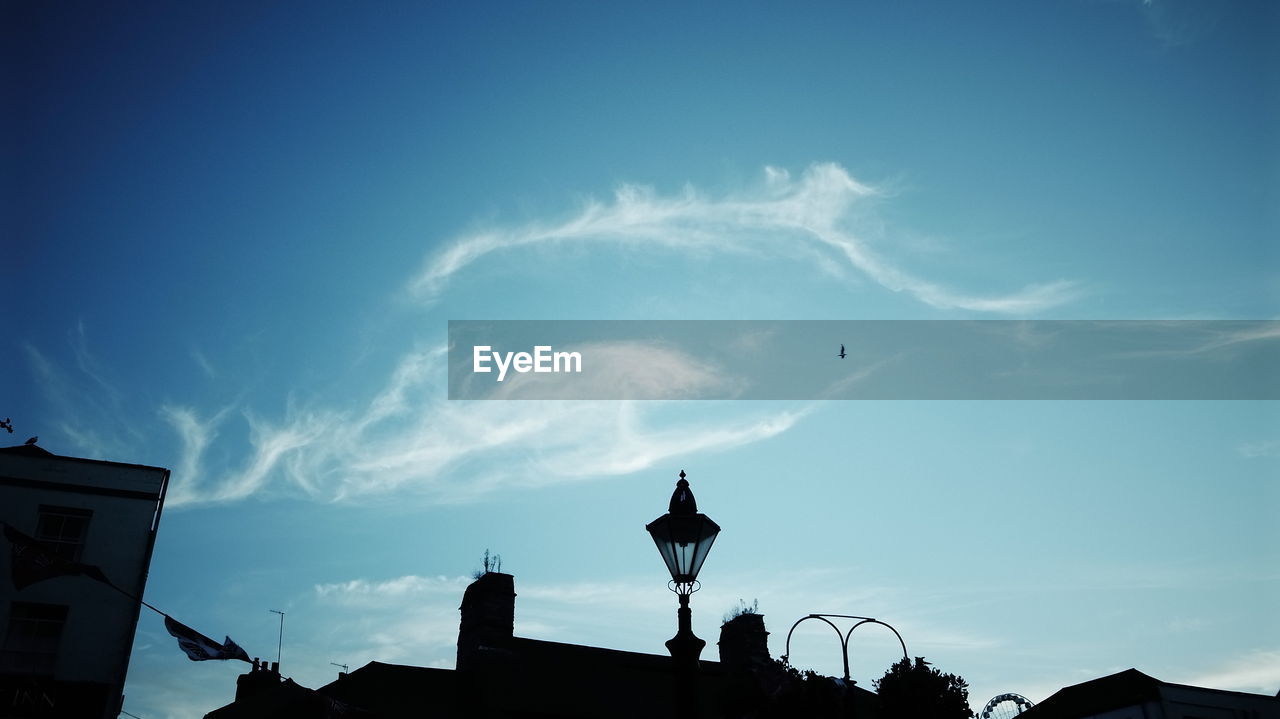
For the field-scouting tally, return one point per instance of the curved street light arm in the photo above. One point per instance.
(844, 638)
(844, 646)
(884, 624)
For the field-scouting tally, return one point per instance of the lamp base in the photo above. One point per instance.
(685, 648)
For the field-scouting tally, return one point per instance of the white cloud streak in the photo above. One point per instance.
(1258, 450)
(91, 408)
(1179, 23)
(195, 436)
(1257, 671)
(390, 592)
(810, 217)
(409, 438)
(204, 364)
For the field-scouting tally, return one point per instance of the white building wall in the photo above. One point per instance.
(125, 501)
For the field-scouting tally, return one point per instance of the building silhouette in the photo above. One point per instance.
(1130, 694)
(504, 676)
(67, 638)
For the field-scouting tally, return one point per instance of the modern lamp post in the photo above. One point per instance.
(684, 537)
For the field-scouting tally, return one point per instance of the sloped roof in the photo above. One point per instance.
(34, 450)
(394, 690)
(1095, 696)
(538, 679)
(544, 678)
(28, 450)
(542, 650)
(288, 699)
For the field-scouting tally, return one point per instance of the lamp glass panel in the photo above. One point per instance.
(684, 542)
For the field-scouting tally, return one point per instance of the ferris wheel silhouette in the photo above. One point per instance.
(1005, 706)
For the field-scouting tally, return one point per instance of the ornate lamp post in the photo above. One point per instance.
(684, 537)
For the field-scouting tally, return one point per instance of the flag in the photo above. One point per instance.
(199, 647)
(34, 561)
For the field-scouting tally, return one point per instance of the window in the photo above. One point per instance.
(31, 641)
(63, 530)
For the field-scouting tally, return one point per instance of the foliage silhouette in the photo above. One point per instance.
(742, 608)
(780, 691)
(923, 692)
(491, 564)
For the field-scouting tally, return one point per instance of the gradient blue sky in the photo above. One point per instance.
(235, 233)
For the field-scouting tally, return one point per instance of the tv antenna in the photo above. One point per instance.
(280, 643)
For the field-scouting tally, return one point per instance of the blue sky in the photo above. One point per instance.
(235, 235)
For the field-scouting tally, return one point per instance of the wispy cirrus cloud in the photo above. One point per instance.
(407, 437)
(390, 592)
(1255, 671)
(814, 217)
(202, 361)
(195, 435)
(89, 405)
(1256, 450)
(1179, 23)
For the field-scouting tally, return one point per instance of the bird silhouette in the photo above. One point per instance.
(841, 355)
(31, 441)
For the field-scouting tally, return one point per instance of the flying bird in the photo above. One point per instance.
(841, 355)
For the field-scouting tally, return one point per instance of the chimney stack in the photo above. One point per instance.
(488, 617)
(744, 643)
(257, 680)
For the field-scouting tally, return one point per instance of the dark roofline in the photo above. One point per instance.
(660, 662)
(36, 451)
(1218, 691)
(1137, 675)
(1131, 674)
(27, 450)
(376, 667)
(615, 657)
(1121, 689)
(1114, 691)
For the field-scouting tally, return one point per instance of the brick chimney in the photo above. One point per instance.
(488, 618)
(263, 677)
(744, 643)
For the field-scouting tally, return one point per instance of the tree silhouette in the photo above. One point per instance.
(921, 691)
(780, 691)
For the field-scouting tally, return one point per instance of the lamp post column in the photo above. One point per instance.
(685, 650)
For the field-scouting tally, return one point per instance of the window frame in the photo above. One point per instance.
(33, 637)
(55, 538)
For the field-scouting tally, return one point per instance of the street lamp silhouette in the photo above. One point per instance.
(684, 537)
